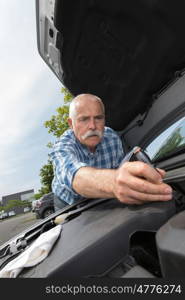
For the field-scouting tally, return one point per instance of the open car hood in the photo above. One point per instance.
(122, 51)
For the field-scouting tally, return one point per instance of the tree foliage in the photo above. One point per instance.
(42, 191)
(46, 174)
(56, 126)
(1, 208)
(173, 142)
(58, 123)
(46, 177)
(15, 203)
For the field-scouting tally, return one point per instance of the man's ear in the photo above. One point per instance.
(70, 123)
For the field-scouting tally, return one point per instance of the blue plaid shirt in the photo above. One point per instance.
(69, 155)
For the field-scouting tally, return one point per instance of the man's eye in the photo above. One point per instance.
(83, 119)
(99, 117)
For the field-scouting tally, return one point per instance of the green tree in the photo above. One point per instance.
(46, 177)
(42, 191)
(16, 203)
(58, 123)
(46, 174)
(56, 126)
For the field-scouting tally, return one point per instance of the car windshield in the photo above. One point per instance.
(168, 144)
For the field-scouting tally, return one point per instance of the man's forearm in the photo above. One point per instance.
(94, 183)
(133, 183)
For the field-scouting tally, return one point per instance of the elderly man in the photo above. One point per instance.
(86, 162)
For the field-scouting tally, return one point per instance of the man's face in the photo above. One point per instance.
(88, 123)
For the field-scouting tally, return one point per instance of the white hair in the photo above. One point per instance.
(72, 106)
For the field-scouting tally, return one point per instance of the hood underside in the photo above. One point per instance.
(121, 51)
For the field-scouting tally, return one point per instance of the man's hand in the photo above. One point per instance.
(137, 183)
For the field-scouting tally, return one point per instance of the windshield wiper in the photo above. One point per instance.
(18, 245)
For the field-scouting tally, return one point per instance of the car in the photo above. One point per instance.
(26, 209)
(4, 215)
(132, 55)
(44, 206)
(33, 205)
(11, 213)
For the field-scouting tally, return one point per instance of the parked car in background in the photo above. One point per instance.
(27, 209)
(44, 206)
(33, 205)
(4, 215)
(11, 213)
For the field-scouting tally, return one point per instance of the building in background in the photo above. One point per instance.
(26, 195)
(23, 196)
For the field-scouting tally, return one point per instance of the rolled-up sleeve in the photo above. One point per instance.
(66, 164)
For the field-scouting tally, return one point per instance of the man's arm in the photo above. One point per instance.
(132, 183)
(94, 183)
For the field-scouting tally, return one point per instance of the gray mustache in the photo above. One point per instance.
(91, 133)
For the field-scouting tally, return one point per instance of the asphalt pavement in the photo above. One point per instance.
(12, 226)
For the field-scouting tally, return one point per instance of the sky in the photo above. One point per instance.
(29, 95)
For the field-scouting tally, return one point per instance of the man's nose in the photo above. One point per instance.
(92, 124)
